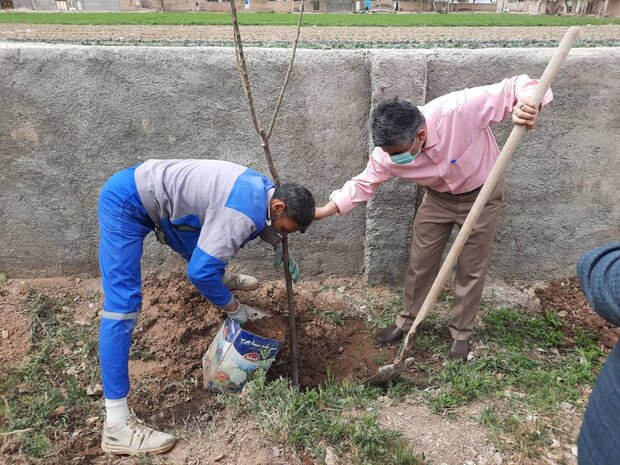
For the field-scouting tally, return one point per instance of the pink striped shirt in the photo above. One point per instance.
(460, 148)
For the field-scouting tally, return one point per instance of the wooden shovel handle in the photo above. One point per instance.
(496, 173)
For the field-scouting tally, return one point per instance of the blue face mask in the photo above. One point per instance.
(405, 157)
(402, 158)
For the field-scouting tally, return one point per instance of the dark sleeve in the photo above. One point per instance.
(599, 275)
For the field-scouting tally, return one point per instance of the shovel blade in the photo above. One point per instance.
(388, 372)
(383, 375)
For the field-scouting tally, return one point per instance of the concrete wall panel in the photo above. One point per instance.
(403, 75)
(71, 116)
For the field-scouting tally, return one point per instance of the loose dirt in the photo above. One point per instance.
(277, 35)
(565, 297)
(175, 328)
(177, 325)
(14, 337)
(457, 440)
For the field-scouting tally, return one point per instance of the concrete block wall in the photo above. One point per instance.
(386, 255)
(71, 116)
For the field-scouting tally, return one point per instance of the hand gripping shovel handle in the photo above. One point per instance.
(496, 173)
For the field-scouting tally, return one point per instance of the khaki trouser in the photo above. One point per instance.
(432, 226)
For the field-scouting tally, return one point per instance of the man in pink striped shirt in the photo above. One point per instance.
(448, 147)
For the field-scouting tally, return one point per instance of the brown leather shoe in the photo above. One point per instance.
(460, 350)
(388, 335)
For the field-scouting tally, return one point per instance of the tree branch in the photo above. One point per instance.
(288, 72)
(274, 173)
(242, 66)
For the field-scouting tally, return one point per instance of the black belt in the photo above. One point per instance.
(478, 189)
(449, 194)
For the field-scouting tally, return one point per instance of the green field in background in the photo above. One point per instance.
(281, 19)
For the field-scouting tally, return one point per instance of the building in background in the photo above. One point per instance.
(578, 7)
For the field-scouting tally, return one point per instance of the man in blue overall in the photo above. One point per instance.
(205, 210)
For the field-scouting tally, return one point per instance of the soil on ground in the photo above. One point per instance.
(14, 339)
(565, 297)
(177, 325)
(279, 35)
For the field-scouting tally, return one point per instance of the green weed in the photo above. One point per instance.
(398, 389)
(35, 444)
(330, 316)
(512, 328)
(145, 460)
(386, 314)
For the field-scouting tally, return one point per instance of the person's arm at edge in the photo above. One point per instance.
(494, 103)
(599, 276)
(359, 189)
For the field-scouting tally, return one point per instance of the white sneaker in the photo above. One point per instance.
(134, 437)
(240, 282)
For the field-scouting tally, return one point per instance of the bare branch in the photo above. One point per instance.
(267, 150)
(242, 65)
(288, 72)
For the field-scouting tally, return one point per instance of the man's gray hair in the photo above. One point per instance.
(395, 122)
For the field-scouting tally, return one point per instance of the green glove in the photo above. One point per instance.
(292, 264)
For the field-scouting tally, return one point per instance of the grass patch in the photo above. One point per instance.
(521, 357)
(527, 370)
(384, 314)
(43, 394)
(3, 281)
(516, 329)
(335, 415)
(527, 435)
(287, 19)
(42, 313)
(433, 335)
